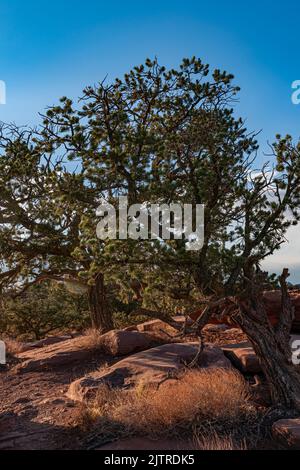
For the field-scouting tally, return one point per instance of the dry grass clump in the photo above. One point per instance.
(200, 400)
(200, 395)
(92, 339)
(213, 441)
(99, 411)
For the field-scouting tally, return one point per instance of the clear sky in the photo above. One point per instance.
(51, 49)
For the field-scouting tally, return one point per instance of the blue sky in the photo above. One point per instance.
(50, 49)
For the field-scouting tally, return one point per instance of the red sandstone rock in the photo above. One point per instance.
(151, 326)
(272, 301)
(82, 349)
(121, 342)
(72, 351)
(243, 357)
(150, 367)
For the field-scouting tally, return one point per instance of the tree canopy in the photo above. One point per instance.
(155, 135)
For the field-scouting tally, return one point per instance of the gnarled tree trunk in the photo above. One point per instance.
(99, 309)
(275, 357)
(272, 343)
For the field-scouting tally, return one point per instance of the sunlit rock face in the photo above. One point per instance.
(150, 368)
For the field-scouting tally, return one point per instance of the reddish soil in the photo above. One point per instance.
(36, 414)
(34, 411)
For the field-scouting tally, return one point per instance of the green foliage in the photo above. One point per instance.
(43, 310)
(155, 135)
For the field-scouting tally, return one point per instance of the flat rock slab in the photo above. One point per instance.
(151, 367)
(155, 326)
(46, 342)
(287, 431)
(160, 330)
(69, 352)
(242, 357)
(82, 349)
(211, 327)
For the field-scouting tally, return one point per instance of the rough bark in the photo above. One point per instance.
(271, 344)
(99, 309)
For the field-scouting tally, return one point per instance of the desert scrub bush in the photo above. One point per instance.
(41, 310)
(200, 400)
(92, 339)
(199, 396)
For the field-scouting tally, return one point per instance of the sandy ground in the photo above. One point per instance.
(34, 411)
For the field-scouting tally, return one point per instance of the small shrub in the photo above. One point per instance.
(199, 396)
(92, 338)
(214, 400)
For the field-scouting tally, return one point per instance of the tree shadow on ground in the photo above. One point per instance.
(23, 432)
